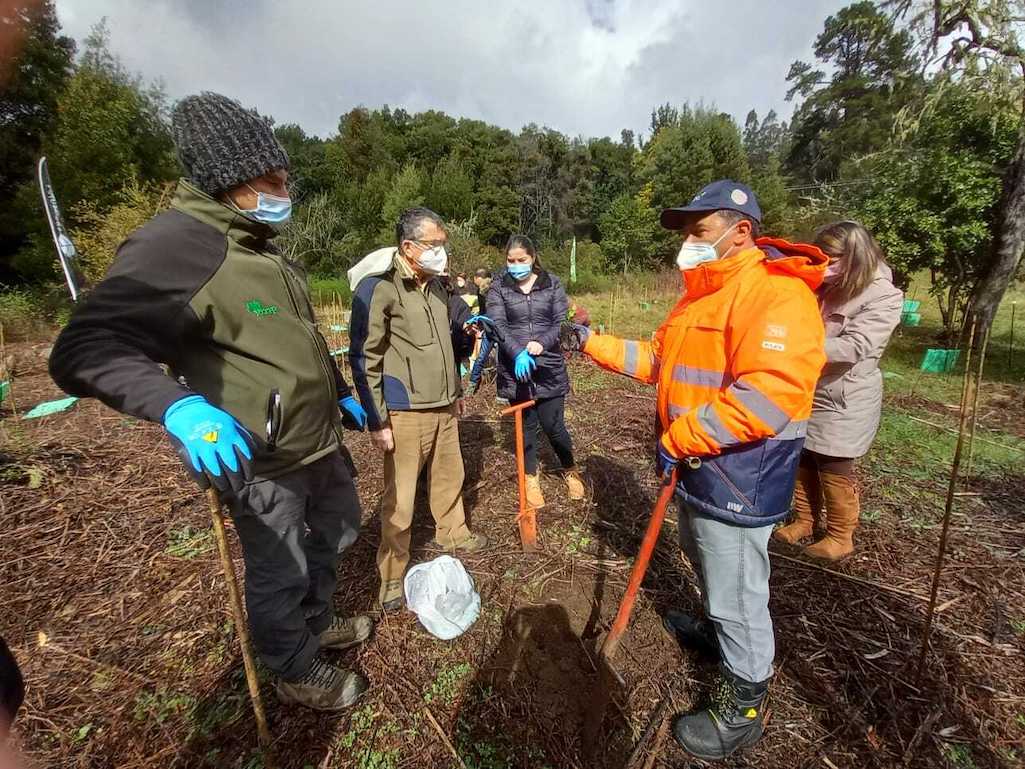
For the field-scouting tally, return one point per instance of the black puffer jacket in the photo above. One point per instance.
(523, 318)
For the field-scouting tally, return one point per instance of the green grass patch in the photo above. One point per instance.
(189, 543)
(926, 452)
(330, 290)
(959, 756)
(445, 686)
(163, 705)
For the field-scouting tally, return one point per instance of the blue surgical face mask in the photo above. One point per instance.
(693, 254)
(519, 271)
(270, 209)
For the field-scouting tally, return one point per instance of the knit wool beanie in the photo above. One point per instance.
(221, 144)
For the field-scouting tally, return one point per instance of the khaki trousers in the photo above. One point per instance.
(429, 437)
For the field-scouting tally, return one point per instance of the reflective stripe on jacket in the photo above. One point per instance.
(736, 364)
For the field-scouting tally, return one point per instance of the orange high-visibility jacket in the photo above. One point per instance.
(735, 364)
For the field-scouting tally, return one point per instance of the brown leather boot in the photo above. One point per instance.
(807, 506)
(534, 496)
(574, 485)
(840, 498)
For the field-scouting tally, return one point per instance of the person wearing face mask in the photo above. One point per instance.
(528, 305)
(403, 350)
(202, 289)
(861, 307)
(735, 363)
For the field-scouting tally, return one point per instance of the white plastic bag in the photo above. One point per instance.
(443, 597)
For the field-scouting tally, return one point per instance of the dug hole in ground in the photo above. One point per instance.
(106, 551)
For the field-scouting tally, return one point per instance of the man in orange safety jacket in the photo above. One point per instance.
(735, 364)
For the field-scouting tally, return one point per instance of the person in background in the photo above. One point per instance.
(468, 292)
(482, 279)
(202, 289)
(528, 305)
(735, 365)
(12, 691)
(403, 350)
(860, 307)
(12, 695)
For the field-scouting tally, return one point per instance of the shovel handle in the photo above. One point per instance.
(527, 518)
(517, 407)
(658, 514)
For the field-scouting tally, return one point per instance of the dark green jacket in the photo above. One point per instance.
(201, 289)
(401, 345)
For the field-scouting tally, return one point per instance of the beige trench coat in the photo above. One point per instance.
(849, 396)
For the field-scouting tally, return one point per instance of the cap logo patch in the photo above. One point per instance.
(739, 197)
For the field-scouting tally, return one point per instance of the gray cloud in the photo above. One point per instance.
(585, 67)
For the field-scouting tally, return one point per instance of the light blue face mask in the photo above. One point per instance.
(270, 209)
(519, 271)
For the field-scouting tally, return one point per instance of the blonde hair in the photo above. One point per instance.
(852, 242)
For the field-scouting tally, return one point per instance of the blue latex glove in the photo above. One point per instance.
(665, 462)
(490, 329)
(353, 411)
(214, 448)
(524, 366)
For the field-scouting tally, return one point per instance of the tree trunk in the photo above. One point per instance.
(1008, 241)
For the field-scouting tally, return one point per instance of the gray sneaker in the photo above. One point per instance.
(344, 632)
(324, 687)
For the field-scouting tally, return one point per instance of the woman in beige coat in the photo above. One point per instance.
(860, 308)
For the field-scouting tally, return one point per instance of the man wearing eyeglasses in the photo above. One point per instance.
(406, 373)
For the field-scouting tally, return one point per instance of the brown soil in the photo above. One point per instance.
(140, 666)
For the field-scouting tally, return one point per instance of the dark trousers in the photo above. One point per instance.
(549, 414)
(821, 463)
(293, 529)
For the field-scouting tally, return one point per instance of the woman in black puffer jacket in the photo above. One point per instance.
(529, 305)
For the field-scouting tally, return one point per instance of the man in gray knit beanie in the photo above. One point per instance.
(259, 409)
(222, 145)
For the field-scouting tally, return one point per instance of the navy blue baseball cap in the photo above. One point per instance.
(723, 194)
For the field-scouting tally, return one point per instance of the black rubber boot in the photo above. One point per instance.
(732, 721)
(691, 633)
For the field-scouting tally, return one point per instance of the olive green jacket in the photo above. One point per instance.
(401, 344)
(201, 289)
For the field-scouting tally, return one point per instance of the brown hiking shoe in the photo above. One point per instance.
(324, 687)
(344, 632)
(534, 496)
(392, 597)
(574, 485)
(472, 544)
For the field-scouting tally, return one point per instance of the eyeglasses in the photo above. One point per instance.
(427, 244)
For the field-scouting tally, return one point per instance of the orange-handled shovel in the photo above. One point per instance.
(626, 606)
(608, 676)
(527, 517)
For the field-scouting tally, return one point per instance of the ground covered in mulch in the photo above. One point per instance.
(113, 600)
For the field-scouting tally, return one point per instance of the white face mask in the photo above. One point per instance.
(433, 261)
(693, 254)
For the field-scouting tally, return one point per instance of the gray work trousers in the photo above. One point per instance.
(732, 564)
(293, 529)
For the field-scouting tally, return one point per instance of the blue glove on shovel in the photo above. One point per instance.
(215, 449)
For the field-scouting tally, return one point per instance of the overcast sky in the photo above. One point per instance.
(584, 67)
